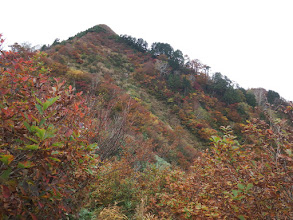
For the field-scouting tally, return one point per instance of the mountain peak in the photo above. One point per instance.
(107, 29)
(97, 29)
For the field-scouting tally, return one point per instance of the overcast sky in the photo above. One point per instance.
(250, 41)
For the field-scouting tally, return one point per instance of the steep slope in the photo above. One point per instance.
(102, 127)
(180, 94)
(101, 54)
(179, 110)
(98, 57)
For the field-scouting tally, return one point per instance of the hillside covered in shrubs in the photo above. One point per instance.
(102, 126)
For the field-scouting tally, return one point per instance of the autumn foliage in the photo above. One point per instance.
(101, 127)
(234, 181)
(46, 159)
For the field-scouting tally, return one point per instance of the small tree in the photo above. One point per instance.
(250, 99)
(232, 96)
(272, 96)
(162, 48)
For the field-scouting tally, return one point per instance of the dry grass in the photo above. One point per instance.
(141, 210)
(112, 213)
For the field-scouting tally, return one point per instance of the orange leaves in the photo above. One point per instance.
(206, 133)
(270, 131)
(76, 106)
(8, 112)
(6, 159)
(25, 164)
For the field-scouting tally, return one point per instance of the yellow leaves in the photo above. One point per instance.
(31, 147)
(75, 74)
(55, 159)
(137, 99)
(229, 183)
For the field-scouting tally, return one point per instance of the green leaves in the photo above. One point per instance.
(240, 193)
(43, 106)
(6, 173)
(55, 159)
(241, 186)
(40, 109)
(50, 102)
(93, 146)
(39, 132)
(31, 147)
(241, 217)
(27, 126)
(6, 159)
(244, 188)
(215, 139)
(235, 192)
(25, 164)
(249, 186)
(43, 133)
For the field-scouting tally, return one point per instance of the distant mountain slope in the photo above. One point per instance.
(201, 104)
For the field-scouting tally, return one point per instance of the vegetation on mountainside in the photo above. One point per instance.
(102, 127)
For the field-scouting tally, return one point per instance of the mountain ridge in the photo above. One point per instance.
(137, 132)
(121, 64)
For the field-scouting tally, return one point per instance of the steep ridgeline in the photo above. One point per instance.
(115, 129)
(176, 90)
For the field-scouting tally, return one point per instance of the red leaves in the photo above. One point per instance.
(68, 133)
(5, 192)
(7, 112)
(36, 156)
(33, 216)
(25, 78)
(41, 205)
(79, 93)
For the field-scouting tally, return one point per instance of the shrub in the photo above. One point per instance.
(234, 181)
(46, 161)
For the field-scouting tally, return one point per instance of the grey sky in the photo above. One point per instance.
(250, 41)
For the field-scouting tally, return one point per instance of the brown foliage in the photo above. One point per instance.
(233, 181)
